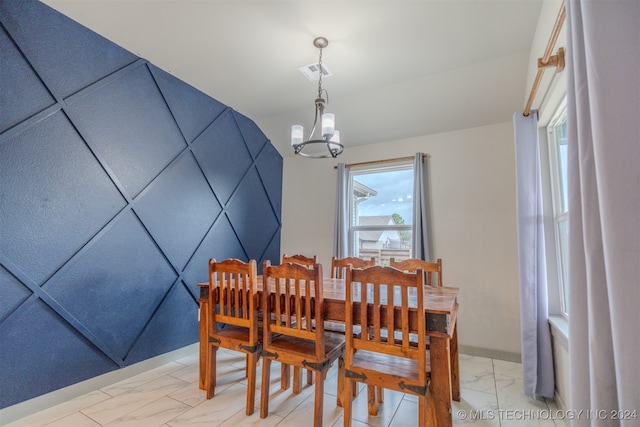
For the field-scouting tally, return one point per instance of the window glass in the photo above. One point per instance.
(563, 244)
(560, 130)
(557, 131)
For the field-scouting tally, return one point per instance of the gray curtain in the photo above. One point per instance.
(341, 226)
(420, 210)
(537, 355)
(603, 102)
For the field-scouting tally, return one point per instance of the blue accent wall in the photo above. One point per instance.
(118, 182)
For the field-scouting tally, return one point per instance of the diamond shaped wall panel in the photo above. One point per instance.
(179, 226)
(252, 216)
(220, 243)
(41, 353)
(251, 133)
(267, 163)
(192, 109)
(116, 284)
(67, 57)
(214, 149)
(176, 317)
(127, 124)
(55, 196)
(118, 183)
(27, 94)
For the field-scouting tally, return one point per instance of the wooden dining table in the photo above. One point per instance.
(440, 316)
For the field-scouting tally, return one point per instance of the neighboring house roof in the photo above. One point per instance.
(361, 190)
(373, 235)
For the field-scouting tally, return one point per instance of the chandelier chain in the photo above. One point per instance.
(320, 74)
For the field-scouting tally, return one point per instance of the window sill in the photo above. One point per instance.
(560, 330)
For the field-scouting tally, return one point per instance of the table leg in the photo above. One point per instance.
(204, 343)
(441, 380)
(455, 368)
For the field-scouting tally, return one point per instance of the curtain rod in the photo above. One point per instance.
(547, 60)
(376, 162)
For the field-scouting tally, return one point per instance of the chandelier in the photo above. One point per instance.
(328, 134)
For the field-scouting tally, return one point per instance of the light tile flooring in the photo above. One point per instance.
(169, 396)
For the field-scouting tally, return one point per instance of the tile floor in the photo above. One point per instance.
(169, 396)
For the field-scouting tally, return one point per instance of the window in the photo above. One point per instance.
(381, 212)
(557, 134)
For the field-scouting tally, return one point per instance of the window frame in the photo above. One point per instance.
(560, 208)
(354, 250)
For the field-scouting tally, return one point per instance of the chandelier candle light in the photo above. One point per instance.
(329, 135)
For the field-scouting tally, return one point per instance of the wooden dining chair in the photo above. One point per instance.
(430, 268)
(295, 335)
(285, 373)
(339, 265)
(338, 268)
(371, 358)
(234, 325)
(300, 259)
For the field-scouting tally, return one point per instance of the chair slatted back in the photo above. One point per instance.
(300, 259)
(339, 265)
(389, 295)
(429, 268)
(234, 283)
(296, 301)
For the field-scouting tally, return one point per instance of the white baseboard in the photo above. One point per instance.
(46, 401)
(490, 353)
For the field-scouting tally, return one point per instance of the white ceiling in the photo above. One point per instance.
(401, 68)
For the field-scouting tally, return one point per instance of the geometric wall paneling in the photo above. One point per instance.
(25, 90)
(67, 57)
(251, 132)
(118, 183)
(40, 353)
(12, 293)
(114, 286)
(176, 317)
(178, 227)
(252, 216)
(134, 103)
(59, 196)
(214, 147)
(268, 161)
(220, 242)
(192, 109)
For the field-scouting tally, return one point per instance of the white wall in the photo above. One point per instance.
(473, 218)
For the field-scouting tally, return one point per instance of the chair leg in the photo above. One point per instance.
(426, 410)
(210, 380)
(309, 377)
(319, 399)
(297, 380)
(264, 388)
(341, 380)
(380, 393)
(252, 362)
(285, 376)
(347, 402)
(371, 400)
